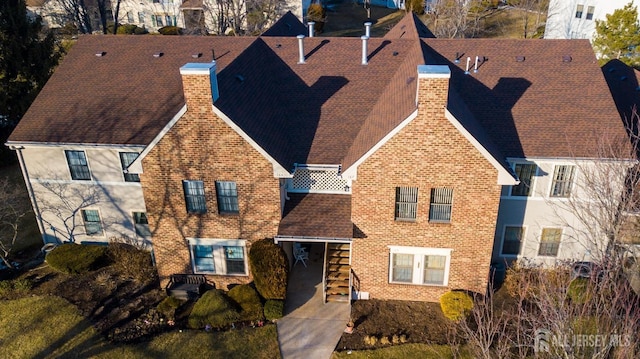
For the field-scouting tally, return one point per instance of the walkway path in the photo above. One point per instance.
(310, 328)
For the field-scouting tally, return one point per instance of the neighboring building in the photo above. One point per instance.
(413, 169)
(576, 19)
(56, 13)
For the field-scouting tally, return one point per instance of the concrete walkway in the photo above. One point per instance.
(310, 328)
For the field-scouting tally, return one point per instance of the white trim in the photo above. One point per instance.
(434, 72)
(417, 262)
(572, 185)
(198, 68)
(533, 177)
(504, 176)
(71, 145)
(218, 257)
(136, 166)
(278, 170)
(86, 182)
(352, 172)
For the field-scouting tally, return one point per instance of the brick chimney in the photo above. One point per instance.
(433, 88)
(199, 83)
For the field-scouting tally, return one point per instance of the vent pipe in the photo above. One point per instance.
(311, 24)
(466, 71)
(301, 49)
(367, 29)
(364, 49)
(475, 67)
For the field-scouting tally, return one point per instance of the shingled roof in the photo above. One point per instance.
(528, 99)
(624, 84)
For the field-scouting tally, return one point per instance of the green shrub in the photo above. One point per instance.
(315, 12)
(456, 305)
(77, 258)
(11, 289)
(213, 309)
(270, 269)
(132, 262)
(6, 287)
(248, 300)
(578, 290)
(168, 307)
(273, 309)
(170, 30)
(127, 29)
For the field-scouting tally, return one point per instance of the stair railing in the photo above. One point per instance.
(325, 282)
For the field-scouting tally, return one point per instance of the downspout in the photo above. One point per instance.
(32, 197)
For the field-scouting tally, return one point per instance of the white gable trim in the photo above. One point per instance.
(504, 176)
(136, 166)
(278, 170)
(351, 173)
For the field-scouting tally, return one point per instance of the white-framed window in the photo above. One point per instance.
(512, 240)
(141, 18)
(579, 11)
(130, 17)
(218, 256)
(194, 196)
(419, 265)
(406, 203)
(440, 205)
(141, 224)
(550, 242)
(525, 172)
(126, 159)
(92, 222)
(157, 20)
(227, 195)
(590, 11)
(562, 181)
(78, 165)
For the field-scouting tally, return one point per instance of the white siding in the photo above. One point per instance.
(562, 22)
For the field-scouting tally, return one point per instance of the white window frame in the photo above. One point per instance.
(579, 11)
(136, 225)
(86, 159)
(219, 260)
(532, 182)
(571, 185)
(590, 11)
(128, 177)
(418, 263)
(84, 222)
(504, 233)
(540, 243)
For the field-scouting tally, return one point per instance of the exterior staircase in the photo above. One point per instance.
(337, 272)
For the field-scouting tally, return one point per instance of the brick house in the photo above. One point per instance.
(414, 161)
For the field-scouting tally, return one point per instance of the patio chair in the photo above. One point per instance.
(301, 256)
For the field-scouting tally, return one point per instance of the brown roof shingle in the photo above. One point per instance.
(317, 215)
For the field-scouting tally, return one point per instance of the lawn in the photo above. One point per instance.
(423, 351)
(50, 327)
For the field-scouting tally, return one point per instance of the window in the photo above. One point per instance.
(550, 242)
(130, 17)
(416, 265)
(157, 19)
(126, 158)
(194, 196)
(406, 203)
(142, 224)
(141, 18)
(78, 165)
(218, 256)
(440, 209)
(590, 11)
(579, 10)
(169, 20)
(525, 172)
(92, 223)
(562, 180)
(227, 195)
(512, 240)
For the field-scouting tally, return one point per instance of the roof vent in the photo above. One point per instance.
(395, 53)
(458, 57)
(240, 78)
(158, 54)
(196, 55)
(519, 58)
(278, 46)
(300, 49)
(622, 78)
(612, 69)
(566, 58)
(100, 53)
(466, 71)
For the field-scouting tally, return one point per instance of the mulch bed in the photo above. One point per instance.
(409, 322)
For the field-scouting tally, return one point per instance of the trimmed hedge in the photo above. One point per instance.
(170, 30)
(167, 307)
(248, 300)
(270, 269)
(456, 305)
(213, 309)
(132, 262)
(77, 258)
(273, 309)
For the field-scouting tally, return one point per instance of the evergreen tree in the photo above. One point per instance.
(27, 59)
(618, 37)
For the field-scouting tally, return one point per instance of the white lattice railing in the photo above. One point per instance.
(318, 179)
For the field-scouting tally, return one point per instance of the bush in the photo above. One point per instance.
(270, 269)
(77, 258)
(168, 307)
(213, 309)
(170, 30)
(131, 261)
(248, 300)
(273, 309)
(578, 290)
(456, 305)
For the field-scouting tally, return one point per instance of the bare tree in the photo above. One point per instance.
(531, 12)
(450, 18)
(14, 206)
(87, 15)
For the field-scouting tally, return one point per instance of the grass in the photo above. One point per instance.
(423, 351)
(50, 327)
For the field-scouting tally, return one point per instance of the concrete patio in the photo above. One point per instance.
(310, 328)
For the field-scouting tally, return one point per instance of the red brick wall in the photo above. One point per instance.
(427, 153)
(203, 147)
